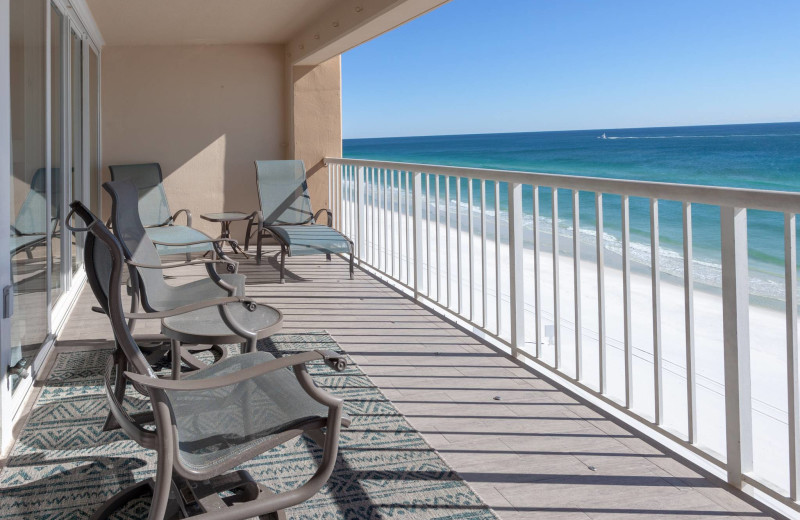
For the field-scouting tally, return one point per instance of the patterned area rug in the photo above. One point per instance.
(64, 466)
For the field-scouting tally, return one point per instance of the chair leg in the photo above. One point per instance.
(258, 249)
(283, 264)
(162, 483)
(328, 256)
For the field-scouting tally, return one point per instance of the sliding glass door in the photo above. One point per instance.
(54, 154)
(29, 186)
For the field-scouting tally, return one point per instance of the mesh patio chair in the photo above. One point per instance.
(213, 420)
(146, 281)
(286, 215)
(30, 227)
(156, 215)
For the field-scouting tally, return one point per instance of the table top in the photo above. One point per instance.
(225, 216)
(208, 326)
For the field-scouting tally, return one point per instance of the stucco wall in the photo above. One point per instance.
(316, 122)
(205, 113)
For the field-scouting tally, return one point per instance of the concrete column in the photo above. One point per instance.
(316, 122)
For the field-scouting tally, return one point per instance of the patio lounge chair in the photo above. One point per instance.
(286, 215)
(214, 419)
(156, 215)
(30, 229)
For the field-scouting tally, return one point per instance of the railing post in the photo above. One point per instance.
(516, 269)
(361, 212)
(736, 334)
(416, 200)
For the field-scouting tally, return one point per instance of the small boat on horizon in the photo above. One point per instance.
(603, 136)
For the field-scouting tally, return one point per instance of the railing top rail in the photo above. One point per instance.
(783, 201)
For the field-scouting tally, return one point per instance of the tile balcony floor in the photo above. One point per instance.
(535, 453)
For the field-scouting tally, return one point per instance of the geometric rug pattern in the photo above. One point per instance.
(63, 466)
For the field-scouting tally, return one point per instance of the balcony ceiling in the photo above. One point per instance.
(186, 22)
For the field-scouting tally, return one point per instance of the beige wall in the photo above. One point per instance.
(204, 112)
(316, 123)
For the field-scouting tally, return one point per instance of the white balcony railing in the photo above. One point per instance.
(693, 375)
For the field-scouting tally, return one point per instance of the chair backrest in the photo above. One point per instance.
(283, 192)
(31, 218)
(104, 260)
(136, 245)
(153, 205)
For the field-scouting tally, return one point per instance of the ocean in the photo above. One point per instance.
(757, 156)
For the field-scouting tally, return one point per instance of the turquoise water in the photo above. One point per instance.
(758, 156)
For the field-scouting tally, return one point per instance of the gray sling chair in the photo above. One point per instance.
(169, 237)
(146, 269)
(286, 215)
(214, 419)
(30, 229)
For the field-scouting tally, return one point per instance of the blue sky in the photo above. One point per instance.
(483, 66)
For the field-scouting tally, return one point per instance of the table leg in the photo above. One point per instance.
(175, 353)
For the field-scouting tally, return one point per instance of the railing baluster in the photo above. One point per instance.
(352, 201)
(366, 253)
(458, 244)
(688, 295)
(484, 288)
(361, 211)
(655, 271)
(576, 262)
(428, 262)
(471, 228)
(373, 199)
(537, 279)
(790, 260)
(626, 300)
(498, 271)
(375, 220)
(601, 291)
(417, 229)
(556, 291)
(410, 273)
(394, 230)
(349, 203)
(438, 264)
(447, 235)
(516, 267)
(381, 220)
(386, 222)
(736, 333)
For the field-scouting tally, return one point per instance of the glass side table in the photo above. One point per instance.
(218, 326)
(225, 218)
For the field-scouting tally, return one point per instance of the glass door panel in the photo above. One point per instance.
(94, 132)
(29, 198)
(76, 139)
(56, 147)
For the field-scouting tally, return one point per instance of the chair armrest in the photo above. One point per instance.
(196, 242)
(183, 309)
(229, 379)
(171, 265)
(186, 212)
(330, 216)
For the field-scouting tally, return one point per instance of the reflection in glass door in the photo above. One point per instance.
(56, 146)
(29, 184)
(94, 132)
(76, 140)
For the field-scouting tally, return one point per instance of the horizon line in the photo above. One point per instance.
(572, 130)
